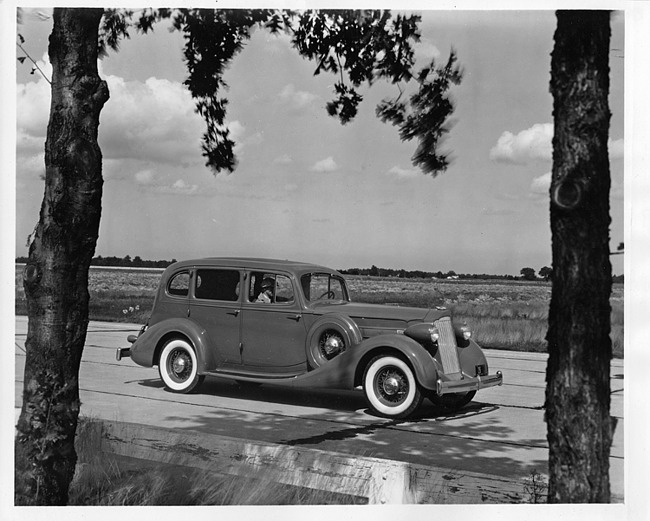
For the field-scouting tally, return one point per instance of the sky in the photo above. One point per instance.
(308, 188)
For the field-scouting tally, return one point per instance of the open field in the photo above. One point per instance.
(502, 314)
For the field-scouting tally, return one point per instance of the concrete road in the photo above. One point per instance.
(501, 433)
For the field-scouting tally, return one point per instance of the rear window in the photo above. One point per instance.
(179, 284)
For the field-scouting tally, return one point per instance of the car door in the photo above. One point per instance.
(273, 333)
(215, 306)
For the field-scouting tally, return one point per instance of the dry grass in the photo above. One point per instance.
(502, 314)
(103, 480)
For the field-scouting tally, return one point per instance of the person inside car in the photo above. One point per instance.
(266, 295)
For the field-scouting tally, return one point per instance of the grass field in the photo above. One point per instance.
(502, 314)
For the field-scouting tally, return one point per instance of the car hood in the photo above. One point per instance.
(381, 315)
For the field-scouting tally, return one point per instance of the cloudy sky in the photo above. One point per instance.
(308, 188)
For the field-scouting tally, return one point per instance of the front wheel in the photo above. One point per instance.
(178, 367)
(391, 388)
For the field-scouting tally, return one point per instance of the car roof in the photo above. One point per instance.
(254, 263)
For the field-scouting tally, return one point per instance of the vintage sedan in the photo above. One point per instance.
(263, 321)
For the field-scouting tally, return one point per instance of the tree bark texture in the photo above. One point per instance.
(579, 427)
(56, 276)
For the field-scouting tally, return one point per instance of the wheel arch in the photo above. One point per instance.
(346, 327)
(163, 340)
(159, 334)
(424, 366)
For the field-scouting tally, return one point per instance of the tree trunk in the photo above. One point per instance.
(56, 276)
(578, 390)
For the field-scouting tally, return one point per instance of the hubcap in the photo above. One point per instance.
(331, 344)
(181, 365)
(391, 385)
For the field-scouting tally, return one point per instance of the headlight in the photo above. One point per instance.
(435, 334)
(467, 334)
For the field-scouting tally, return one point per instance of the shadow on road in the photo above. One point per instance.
(474, 439)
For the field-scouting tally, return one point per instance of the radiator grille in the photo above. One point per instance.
(447, 346)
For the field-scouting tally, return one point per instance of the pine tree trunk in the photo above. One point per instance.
(56, 275)
(579, 345)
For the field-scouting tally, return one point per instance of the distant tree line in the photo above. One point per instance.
(544, 273)
(122, 262)
(374, 271)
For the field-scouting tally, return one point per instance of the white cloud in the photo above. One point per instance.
(151, 121)
(402, 173)
(145, 177)
(616, 148)
(255, 139)
(297, 99)
(534, 143)
(491, 211)
(425, 51)
(325, 165)
(33, 102)
(179, 187)
(237, 130)
(284, 159)
(541, 185)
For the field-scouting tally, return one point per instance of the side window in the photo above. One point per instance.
(270, 288)
(283, 289)
(179, 285)
(323, 286)
(217, 284)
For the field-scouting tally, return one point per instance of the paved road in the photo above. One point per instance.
(501, 433)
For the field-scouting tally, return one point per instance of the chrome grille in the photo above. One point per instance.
(447, 346)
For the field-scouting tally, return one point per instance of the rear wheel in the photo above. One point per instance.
(178, 367)
(452, 401)
(391, 388)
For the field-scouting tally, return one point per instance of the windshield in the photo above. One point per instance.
(323, 286)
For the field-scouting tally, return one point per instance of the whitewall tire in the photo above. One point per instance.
(178, 366)
(391, 388)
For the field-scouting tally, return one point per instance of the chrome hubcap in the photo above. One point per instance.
(179, 365)
(332, 345)
(391, 385)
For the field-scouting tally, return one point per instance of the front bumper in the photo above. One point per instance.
(468, 383)
(122, 352)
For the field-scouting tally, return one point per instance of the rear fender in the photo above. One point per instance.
(146, 349)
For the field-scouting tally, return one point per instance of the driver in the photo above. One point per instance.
(266, 295)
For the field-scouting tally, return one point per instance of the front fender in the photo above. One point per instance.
(345, 370)
(146, 349)
(470, 356)
(425, 366)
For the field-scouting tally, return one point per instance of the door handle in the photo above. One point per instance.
(294, 317)
(234, 313)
